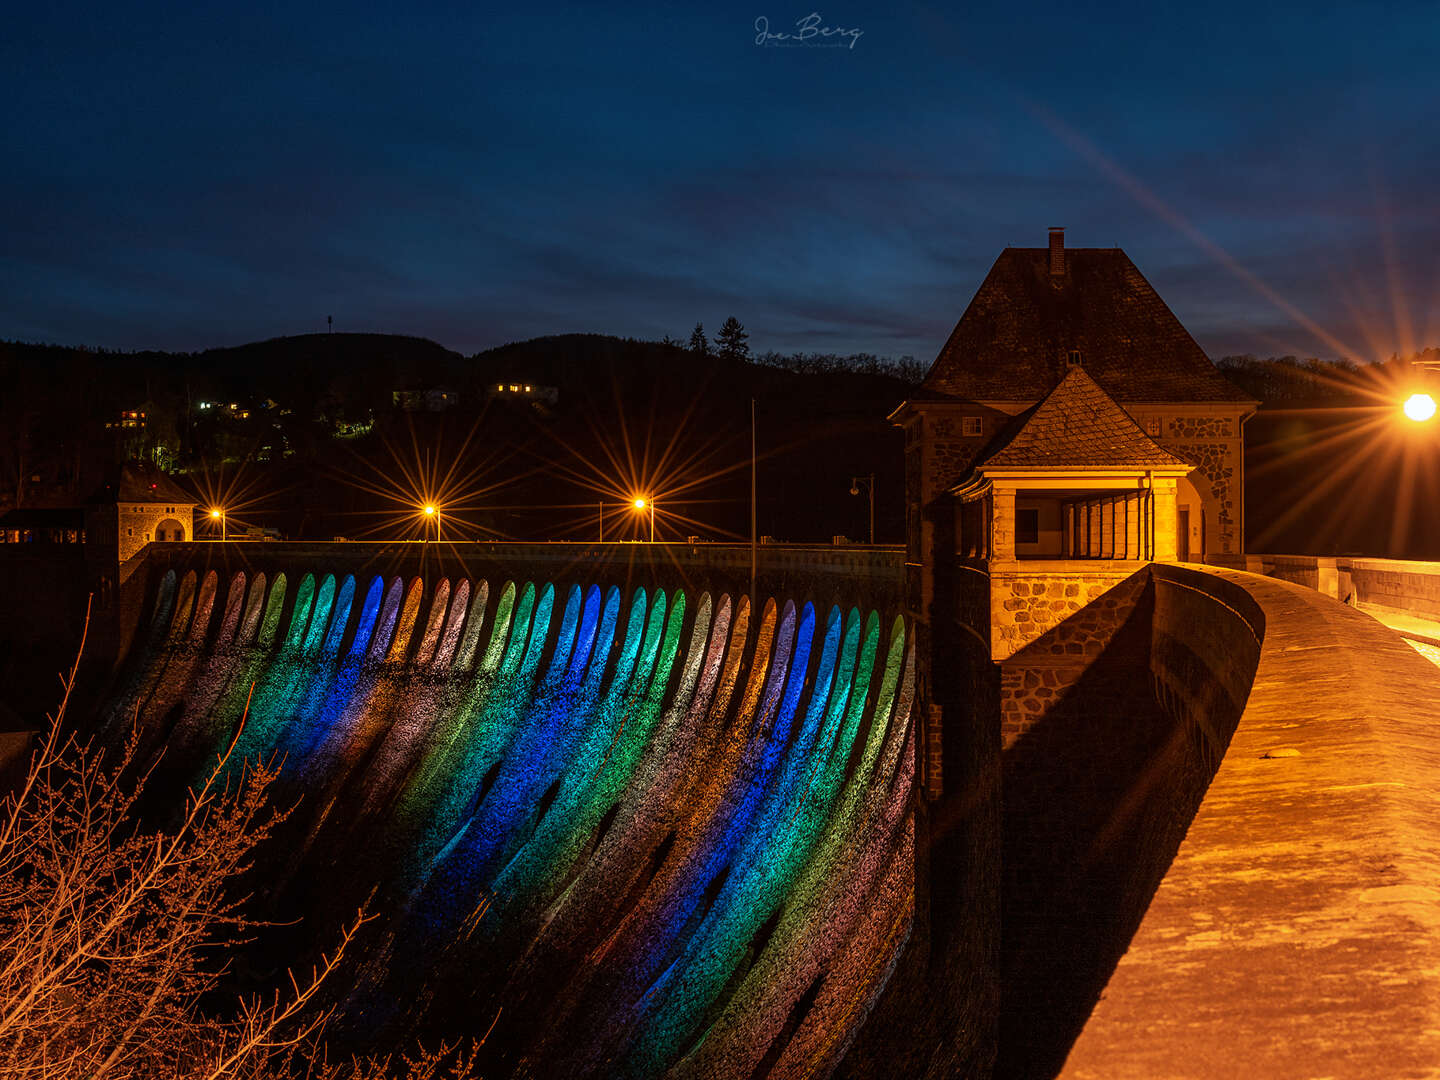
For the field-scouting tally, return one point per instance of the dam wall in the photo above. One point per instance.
(653, 826)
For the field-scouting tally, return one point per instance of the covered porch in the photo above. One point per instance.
(1010, 515)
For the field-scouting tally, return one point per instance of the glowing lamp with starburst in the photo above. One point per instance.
(1420, 407)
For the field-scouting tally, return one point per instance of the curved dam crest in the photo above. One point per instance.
(657, 831)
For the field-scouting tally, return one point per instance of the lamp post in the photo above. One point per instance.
(640, 504)
(1420, 405)
(218, 514)
(869, 482)
(602, 522)
(432, 513)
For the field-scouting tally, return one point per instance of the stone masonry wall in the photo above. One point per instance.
(1038, 677)
(1214, 446)
(1026, 603)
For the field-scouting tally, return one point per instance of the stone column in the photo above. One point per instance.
(1002, 524)
(1166, 520)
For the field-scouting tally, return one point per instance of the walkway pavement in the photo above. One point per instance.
(1423, 634)
(1296, 935)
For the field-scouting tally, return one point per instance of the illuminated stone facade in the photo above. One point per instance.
(142, 505)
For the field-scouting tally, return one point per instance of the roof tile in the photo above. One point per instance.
(1077, 425)
(1015, 338)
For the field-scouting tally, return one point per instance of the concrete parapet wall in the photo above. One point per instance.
(873, 570)
(1204, 648)
(1297, 931)
(1408, 587)
(851, 575)
(1412, 587)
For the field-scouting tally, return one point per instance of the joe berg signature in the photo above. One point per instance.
(808, 31)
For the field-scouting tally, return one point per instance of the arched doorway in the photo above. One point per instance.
(170, 530)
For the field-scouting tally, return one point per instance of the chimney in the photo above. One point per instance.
(1057, 252)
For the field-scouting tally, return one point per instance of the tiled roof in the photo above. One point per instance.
(141, 482)
(1077, 425)
(1015, 338)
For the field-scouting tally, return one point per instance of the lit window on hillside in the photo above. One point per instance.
(1027, 526)
(972, 426)
(1152, 425)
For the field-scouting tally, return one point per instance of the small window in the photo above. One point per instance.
(972, 426)
(1152, 426)
(1027, 526)
(1074, 357)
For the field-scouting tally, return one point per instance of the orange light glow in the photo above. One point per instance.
(429, 511)
(1420, 407)
(217, 514)
(639, 504)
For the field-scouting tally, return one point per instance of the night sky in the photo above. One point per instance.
(193, 175)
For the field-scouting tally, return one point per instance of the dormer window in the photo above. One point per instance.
(972, 426)
(1074, 358)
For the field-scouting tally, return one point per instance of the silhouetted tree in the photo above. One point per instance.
(112, 938)
(698, 344)
(732, 340)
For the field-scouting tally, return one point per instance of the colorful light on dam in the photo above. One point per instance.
(1420, 407)
(669, 833)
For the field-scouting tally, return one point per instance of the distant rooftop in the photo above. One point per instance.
(142, 482)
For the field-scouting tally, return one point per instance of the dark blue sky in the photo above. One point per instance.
(195, 175)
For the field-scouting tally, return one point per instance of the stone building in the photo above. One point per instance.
(1069, 431)
(140, 505)
(1041, 311)
(1070, 495)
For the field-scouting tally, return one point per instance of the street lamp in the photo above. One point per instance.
(217, 514)
(431, 512)
(869, 483)
(1420, 407)
(640, 504)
